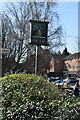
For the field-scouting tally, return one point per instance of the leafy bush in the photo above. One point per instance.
(27, 96)
(30, 97)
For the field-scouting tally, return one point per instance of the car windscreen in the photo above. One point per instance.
(73, 81)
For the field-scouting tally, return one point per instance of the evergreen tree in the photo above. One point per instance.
(65, 52)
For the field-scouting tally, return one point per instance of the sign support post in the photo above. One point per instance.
(38, 37)
(37, 60)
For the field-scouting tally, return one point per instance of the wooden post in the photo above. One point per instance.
(37, 61)
(0, 47)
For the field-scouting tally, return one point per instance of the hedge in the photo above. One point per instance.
(30, 97)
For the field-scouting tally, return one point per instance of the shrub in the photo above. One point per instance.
(27, 96)
(30, 97)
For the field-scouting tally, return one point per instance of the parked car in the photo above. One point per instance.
(57, 82)
(69, 83)
(61, 84)
(64, 83)
(53, 79)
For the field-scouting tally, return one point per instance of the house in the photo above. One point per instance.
(68, 65)
(72, 65)
(57, 64)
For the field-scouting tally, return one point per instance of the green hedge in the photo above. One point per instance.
(30, 97)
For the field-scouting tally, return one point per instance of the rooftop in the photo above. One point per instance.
(72, 55)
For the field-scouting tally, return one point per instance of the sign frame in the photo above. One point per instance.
(5, 51)
(39, 39)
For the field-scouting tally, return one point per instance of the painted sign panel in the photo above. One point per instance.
(38, 32)
(5, 51)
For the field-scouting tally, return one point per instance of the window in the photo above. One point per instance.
(70, 59)
(57, 61)
(69, 66)
(76, 59)
(76, 66)
(73, 59)
(73, 67)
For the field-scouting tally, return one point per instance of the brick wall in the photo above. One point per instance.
(70, 63)
(73, 64)
(57, 63)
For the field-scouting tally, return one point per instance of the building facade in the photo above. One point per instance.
(57, 64)
(69, 66)
(72, 65)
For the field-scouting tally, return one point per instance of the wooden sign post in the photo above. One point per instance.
(38, 37)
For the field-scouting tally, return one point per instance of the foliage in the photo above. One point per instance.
(16, 30)
(44, 62)
(65, 52)
(30, 97)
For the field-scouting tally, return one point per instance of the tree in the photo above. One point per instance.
(59, 53)
(15, 30)
(44, 60)
(65, 52)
